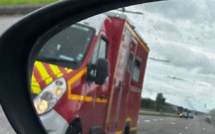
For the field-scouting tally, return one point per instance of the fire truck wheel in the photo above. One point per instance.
(74, 128)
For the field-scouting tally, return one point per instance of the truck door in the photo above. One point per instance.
(129, 70)
(99, 102)
(123, 77)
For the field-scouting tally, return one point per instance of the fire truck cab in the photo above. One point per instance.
(88, 78)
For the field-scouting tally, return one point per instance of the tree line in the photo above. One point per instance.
(160, 105)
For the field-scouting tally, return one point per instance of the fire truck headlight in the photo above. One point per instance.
(41, 105)
(50, 95)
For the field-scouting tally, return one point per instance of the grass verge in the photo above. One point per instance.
(25, 2)
(154, 113)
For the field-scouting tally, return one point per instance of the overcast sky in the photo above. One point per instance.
(182, 32)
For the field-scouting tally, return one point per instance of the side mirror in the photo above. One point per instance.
(102, 71)
(18, 63)
(98, 72)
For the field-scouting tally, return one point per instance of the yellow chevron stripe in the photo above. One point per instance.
(48, 80)
(43, 72)
(35, 87)
(68, 70)
(34, 83)
(33, 78)
(56, 70)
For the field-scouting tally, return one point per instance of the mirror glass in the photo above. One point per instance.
(158, 72)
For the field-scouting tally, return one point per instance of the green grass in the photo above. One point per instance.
(25, 2)
(154, 113)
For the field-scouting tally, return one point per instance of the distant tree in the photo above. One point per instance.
(147, 103)
(160, 101)
(212, 111)
(169, 108)
(180, 109)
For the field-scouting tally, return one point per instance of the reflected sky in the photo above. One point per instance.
(181, 32)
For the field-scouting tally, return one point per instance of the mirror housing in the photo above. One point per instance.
(102, 71)
(98, 72)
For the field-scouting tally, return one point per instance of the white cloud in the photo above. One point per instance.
(182, 32)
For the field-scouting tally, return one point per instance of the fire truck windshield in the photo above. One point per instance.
(68, 47)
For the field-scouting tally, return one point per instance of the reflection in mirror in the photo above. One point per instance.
(141, 69)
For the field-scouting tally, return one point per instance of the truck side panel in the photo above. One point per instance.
(138, 72)
(117, 33)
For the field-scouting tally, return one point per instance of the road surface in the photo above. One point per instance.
(7, 21)
(5, 127)
(173, 125)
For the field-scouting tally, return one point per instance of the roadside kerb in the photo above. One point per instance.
(153, 113)
(18, 9)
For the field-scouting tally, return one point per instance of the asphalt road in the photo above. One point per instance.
(5, 127)
(7, 21)
(173, 125)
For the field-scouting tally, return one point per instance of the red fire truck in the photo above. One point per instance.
(88, 78)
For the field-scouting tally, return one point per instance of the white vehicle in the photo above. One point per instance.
(191, 115)
(184, 115)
